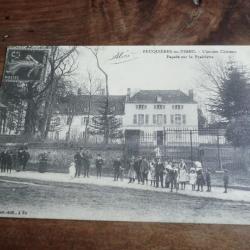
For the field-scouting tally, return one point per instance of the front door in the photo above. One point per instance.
(159, 138)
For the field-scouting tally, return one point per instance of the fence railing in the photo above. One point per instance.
(178, 137)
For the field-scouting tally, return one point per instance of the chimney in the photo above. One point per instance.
(128, 94)
(191, 94)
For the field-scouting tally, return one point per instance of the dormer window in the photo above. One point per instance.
(177, 107)
(158, 98)
(159, 106)
(141, 106)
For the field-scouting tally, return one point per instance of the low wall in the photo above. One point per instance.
(60, 156)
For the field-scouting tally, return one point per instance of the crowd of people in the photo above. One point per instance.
(81, 163)
(156, 172)
(14, 159)
(167, 174)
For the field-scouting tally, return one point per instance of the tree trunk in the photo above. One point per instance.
(87, 122)
(69, 129)
(29, 124)
(47, 114)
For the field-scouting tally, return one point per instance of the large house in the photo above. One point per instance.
(144, 114)
(83, 116)
(150, 114)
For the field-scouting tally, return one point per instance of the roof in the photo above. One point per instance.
(167, 96)
(116, 101)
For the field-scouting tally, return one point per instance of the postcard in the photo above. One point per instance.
(126, 133)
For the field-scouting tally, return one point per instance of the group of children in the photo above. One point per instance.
(173, 175)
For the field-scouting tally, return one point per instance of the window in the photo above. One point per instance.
(159, 119)
(135, 119)
(178, 119)
(177, 107)
(146, 119)
(141, 119)
(141, 106)
(84, 120)
(159, 106)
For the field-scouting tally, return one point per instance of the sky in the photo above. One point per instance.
(155, 67)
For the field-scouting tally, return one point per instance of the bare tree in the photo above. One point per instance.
(91, 86)
(95, 52)
(62, 63)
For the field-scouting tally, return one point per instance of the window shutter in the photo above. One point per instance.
(165, 119)
(172, 119)
(154, 119)
(135, 119)
(184, 119)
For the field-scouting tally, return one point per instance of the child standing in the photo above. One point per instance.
(151, 175)
(208, 180)
(200, 180)
(72, 170)
(192, 178)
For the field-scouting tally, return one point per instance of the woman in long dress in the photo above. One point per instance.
(131, 171)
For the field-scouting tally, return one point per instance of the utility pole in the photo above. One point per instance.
(191, 147)
(218, 149)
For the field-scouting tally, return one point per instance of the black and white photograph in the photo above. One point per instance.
(126, 133)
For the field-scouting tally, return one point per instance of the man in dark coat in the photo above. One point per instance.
(78, 162)
(159, 172)
(117, 166)
(20, 158)
(172, 177)
(3, 157)
(208, 180)
(86, 162)
(200, 180)
(23, 157)
(144, 170)
(99, 162)
(8, 161)
(26, 157)
(137, 168)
